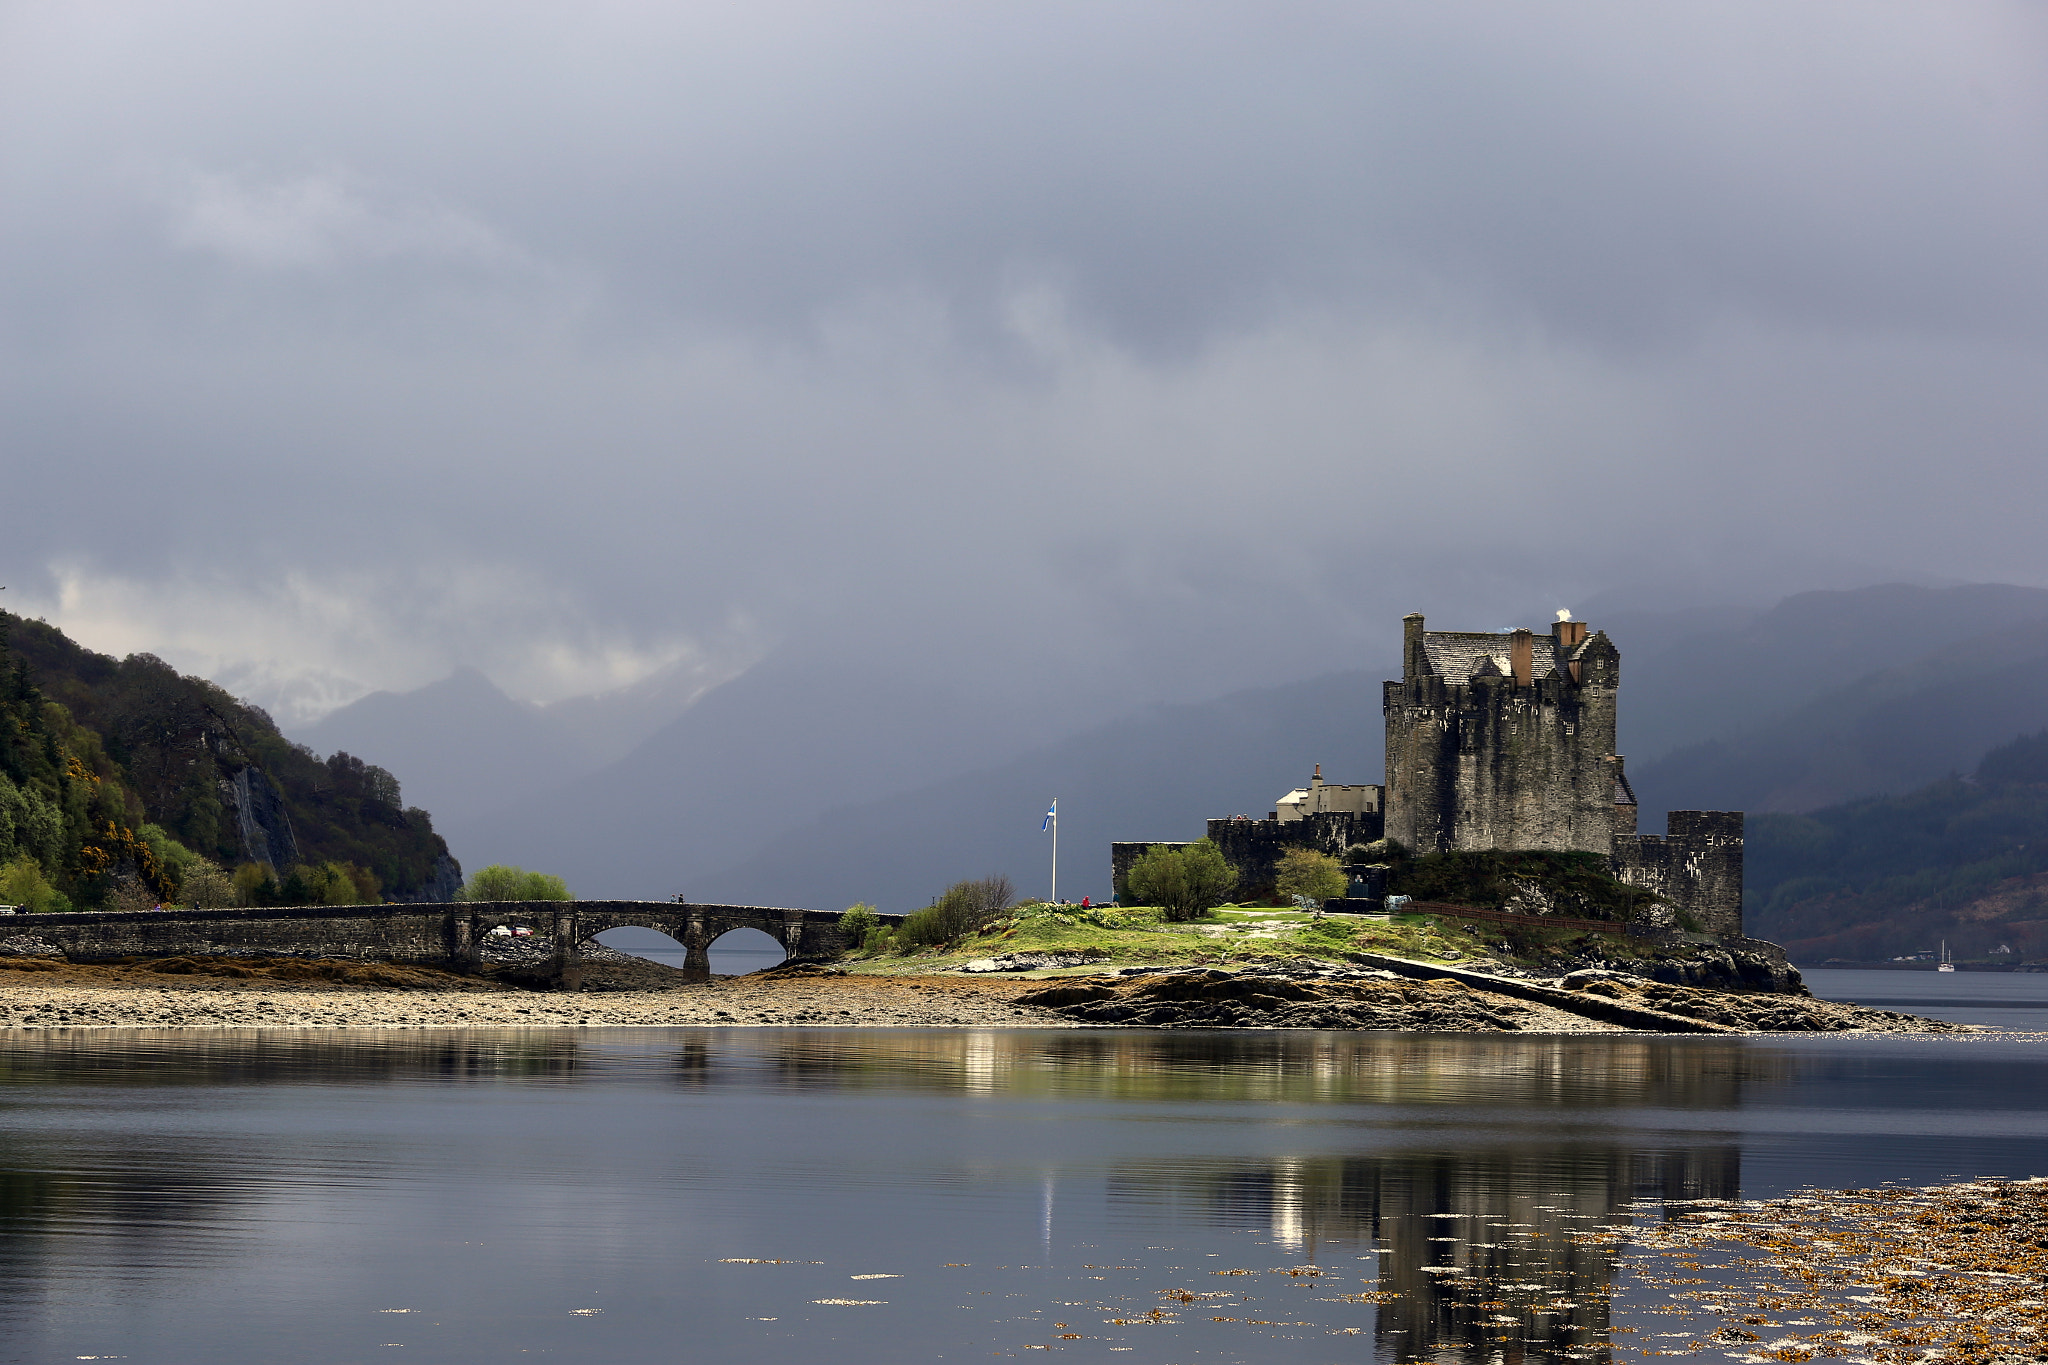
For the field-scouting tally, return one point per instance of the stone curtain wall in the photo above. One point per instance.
(1253, 847)
(1696, 866)
(445, 935)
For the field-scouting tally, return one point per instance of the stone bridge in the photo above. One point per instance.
(448, 936)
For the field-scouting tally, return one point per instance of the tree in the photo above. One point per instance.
(500, 882)
(22, 883)
(1307, 874)
(205, 886)
(1185, 883)
(857, 923)
(965, 908)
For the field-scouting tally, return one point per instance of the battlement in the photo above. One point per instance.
(1696, 866)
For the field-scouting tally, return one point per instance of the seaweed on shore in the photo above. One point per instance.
(1952, 1274)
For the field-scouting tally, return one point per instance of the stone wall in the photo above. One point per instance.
(443, 935)
(1253, 847)
(1696, 866)
(1493, 761)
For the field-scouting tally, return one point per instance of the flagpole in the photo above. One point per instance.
(1055, 851)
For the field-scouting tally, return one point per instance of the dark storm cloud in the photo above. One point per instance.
(346, 344)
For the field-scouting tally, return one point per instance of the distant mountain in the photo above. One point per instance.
(1927, 716)
(752, 761)
(1963, 860)
(463, 745)
(1156, 776)
(828, 774)
(1714, 674)
(467, 749)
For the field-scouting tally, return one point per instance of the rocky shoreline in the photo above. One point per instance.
(42, 991)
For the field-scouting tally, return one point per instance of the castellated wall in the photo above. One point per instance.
(1696, 866)
(1494, 760)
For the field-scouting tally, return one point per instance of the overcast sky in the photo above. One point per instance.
(1139, 351)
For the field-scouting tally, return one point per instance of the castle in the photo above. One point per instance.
(1504, 740)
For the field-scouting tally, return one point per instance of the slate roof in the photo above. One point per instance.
(1455, 654)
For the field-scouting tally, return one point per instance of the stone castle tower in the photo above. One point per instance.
(1504, 740)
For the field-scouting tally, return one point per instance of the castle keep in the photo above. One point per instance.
(1504, 740)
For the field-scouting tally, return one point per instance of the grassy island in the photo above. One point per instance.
(1118, 936)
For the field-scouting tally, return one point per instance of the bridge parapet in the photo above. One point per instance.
(434, 935)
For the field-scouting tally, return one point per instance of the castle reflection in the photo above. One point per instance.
(1484, 1255)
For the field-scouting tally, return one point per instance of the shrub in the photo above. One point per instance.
(965, 908)
(1577, 884)
(1185, 883)
(500, 882)
(1306, 874)
(22, 883)
(857, 923)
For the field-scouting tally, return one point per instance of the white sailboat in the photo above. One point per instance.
(1944, 965)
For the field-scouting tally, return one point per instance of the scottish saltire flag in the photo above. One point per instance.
(1052, 813)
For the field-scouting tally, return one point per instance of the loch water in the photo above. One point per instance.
(783, 1195)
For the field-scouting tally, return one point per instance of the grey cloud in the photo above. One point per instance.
(1189, 344)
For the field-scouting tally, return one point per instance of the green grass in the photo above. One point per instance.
(1136, 936)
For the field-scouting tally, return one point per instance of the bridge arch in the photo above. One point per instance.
(743, 949)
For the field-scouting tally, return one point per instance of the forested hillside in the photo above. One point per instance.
(1965, 859)
(123, 782)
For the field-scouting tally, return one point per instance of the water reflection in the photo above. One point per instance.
(189, 1195)
(1593, 1073)
(1477, 1249)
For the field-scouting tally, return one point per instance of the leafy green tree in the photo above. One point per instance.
(1185, 883)
(31, 824)
(255, 884)
(1307, 874)
(205, 885)
(22, 883)
(501, 882)
(858, 922)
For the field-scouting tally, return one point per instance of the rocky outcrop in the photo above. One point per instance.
(1745, 1012)
(1419, 997)
(1733, 964)
(261, 820)
(443, 884)
(1279, 996)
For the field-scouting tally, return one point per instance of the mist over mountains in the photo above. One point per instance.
(810, 780)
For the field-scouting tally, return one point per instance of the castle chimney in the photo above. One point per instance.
(1569, 634)
(1522, 657)
(1317, 780)
(1414, 659)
